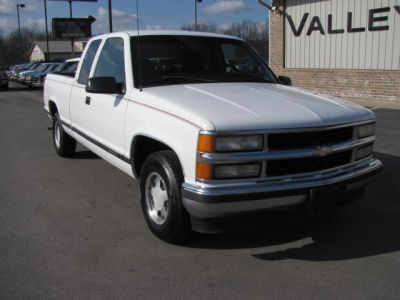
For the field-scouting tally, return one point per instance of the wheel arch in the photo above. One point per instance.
(52, 108)
(142, 146)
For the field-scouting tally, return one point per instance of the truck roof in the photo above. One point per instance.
(174, 32)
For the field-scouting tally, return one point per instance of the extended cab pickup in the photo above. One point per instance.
(208, 129)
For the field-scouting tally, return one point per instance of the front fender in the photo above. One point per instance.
(176, 133)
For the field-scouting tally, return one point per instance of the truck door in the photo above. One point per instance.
(105, 113)
(78, 93)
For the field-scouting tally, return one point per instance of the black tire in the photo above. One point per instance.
(175, 227)
(64, 144)
(4, 87)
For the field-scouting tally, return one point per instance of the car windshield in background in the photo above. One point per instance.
(20, 67)
(72, 68)
(28, 65)
(60, 67)
(35, 67)
(42, 68)
(52, 67)
(194, 59)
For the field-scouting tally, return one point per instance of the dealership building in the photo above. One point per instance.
(58, 50)
(346, 48)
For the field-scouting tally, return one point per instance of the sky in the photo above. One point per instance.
(154, 14)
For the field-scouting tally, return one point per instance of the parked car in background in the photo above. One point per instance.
(22, 74)
(23, 68)
(67, 68)
(34, 79)
(8, 71)
(3, 77)
(14, 71)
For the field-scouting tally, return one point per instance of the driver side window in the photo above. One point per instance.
(111, 60)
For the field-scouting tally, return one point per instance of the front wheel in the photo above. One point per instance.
(64, 144)
(160, 186)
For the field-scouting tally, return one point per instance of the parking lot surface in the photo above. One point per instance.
(73, 229)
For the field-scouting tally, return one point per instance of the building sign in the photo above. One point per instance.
(343, 34)
(72, 28)
(36, 54)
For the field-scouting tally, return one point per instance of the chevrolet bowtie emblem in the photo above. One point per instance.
(322, 151)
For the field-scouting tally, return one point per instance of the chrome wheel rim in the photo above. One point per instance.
(156, 194)
(57, 134)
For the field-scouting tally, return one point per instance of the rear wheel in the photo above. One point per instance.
(64, 144)
(160, 185)
(4, 87)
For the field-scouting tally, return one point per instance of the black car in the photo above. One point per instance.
(3, 77)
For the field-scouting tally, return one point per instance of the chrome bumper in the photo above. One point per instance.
(213, 202)
(36, 84)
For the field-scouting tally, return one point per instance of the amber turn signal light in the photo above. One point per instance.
(204, 171)
(206, 143)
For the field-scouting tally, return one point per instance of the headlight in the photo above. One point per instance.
(237, 171)
(364, 152)
(209, 143)
(238, 143)
(366, 130)
(29, 78)
(232, 143)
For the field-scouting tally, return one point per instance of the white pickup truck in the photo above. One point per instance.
(208, 129)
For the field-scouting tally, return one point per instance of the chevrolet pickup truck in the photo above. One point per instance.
(208, 129)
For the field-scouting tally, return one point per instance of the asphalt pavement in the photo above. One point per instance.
(73, 229)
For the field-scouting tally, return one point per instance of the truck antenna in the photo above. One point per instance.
(138, 46)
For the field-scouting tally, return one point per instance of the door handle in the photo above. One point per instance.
(87, 100)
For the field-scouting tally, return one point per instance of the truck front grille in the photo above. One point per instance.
(309, 164)
(299, 140)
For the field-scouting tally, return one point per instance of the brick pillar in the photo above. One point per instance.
(277, 37)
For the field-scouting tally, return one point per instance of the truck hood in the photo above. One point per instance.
(252, 106)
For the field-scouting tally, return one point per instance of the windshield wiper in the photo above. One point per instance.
(188, 78)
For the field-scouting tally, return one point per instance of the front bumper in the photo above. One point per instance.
(218, 202)
(37, 84)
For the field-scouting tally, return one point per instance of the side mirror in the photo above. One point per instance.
(102, 85)
(285, 80)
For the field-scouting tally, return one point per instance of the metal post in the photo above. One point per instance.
(19, 28)
(110, 15)
(72, 39)
(195, 15)
(47, 56)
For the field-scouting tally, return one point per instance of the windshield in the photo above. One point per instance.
(20, 67)
(52, 67)
(72, 68)
(29, 65)
(60, 67)
(42, 68)
(191, 59)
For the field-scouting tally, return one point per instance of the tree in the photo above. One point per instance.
(16, 50)
(200, 27)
